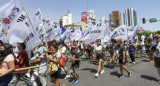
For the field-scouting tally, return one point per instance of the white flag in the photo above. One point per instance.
(119, 33)
(66, 36)
(8, 13)
(41, 32)
(88, 29)
(22, 31)
(106, 33)
(2, 35)
(49, 28)
(132, 33)
(96, 33)
(57, 33)
(142, 37)
(77, 35)
(37, 19)
(151, 36)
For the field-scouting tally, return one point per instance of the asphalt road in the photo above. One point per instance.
(144, 73)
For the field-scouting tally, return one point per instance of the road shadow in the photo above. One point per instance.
(109, 66)
(115, 73)
(145, 60)
(62, 76)
(149, 78)
(90, 69)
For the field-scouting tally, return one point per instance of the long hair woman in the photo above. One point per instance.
(55, 59)
(7, 64)
(99, 54)
(122, 60)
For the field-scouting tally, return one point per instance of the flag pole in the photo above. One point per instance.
(4, 30)
(31, 23)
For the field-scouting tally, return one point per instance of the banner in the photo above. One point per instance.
(84, 16)
(88, 29)
(58, 33)
(77, 35)
(96, 33)
(119, 33)
(8, 13)
(41, 32)
(22, 31)
(66, 36)
(49, 28)
(37, 19)
(132, 33)
(2, 35)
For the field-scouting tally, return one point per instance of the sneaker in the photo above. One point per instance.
(67, 76)
(96, 75)
(28, 75)
(151, 61)
(102, 72)
(36, 73)
(76, 82)
(134, 63)
(129, 74)
(73, 81)
(159, 81)
(121, 76)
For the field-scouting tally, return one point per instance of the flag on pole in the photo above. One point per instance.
(8, 13)
(66, 36)
(132, 33)
(2, 35)
(77, 35)
(96, 33)
(58, 33)
(150, 36)
(142, 37)
(22, 30)
(88, 29)
(119, 33)
(49, 28)
(37, 19)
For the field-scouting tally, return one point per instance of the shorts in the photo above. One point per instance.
(74, 69)
(100, 56)
(57, 74)
(157, 61)
(113, 54)
(121, 61)
(147, 51)
(5, 80)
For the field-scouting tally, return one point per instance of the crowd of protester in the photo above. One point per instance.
(52, 57)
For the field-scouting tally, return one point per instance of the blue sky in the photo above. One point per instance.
(54, 9)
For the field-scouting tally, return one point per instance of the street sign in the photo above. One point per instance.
(151, 20)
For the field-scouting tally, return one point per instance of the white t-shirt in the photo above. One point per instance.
(98, 48)
(63, 50)
(157, 52)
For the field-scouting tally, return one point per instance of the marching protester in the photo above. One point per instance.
(113, 52)
(63, 48)
(21, 61)
(98, 54)
(75, 64)
(122, 60)
(7, 65)
(156, 49)
(132, 50)
(55, 58)
(41, 61)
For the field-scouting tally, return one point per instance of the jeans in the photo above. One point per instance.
(41, 76)
(5, 80)
(18, 76)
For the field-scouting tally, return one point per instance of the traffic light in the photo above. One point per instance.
(143, 20)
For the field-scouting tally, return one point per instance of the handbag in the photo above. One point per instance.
(52, 68)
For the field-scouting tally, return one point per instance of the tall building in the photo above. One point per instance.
(66, 19)
(115, 19)
(91, 17)
(130, 17)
